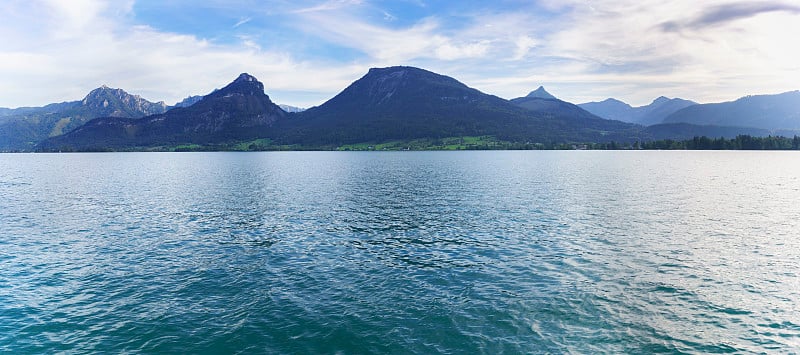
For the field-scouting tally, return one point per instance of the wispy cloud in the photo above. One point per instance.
(329, 6)
(389, 45)
(724, 13)
(242, 22)
(617, 48)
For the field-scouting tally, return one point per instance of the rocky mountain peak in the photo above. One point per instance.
(244, 77)
(541, 93)
(243, 98)
(106, 101)
(245, 84)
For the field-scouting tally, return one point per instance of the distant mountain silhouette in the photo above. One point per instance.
(770, 112)
(241, 110)
(651, 114)
(540, 93)
(399, 103)
(543, 104)
(23, 128)
(387, 104)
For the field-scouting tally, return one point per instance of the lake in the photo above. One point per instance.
(400, 252)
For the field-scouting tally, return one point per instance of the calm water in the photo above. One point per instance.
(407, 252)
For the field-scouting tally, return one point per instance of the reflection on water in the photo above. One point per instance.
(359, 252)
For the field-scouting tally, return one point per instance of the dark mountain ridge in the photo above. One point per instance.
(544, 104)
(394, 104)
(400, 103)
(241, 110)
(769, 112)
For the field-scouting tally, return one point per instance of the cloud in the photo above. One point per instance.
(242, 22)
(724, 13)
(616, 48)
(329, 6)
(53, 53)
(524, 44)
(448, 51)
(424, 39)
(306, 51)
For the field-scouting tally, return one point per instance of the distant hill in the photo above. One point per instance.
(6, 112)
(770, 112)
(399, 103)
(651, 114)
(543, 104)
(23, 128)
(239, 111)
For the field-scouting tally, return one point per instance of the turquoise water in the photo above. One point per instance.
(404, 252)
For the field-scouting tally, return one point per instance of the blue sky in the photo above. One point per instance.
(306, 51)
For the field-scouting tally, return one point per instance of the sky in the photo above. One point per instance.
(306, 51)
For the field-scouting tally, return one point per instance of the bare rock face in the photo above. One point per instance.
(106, 101)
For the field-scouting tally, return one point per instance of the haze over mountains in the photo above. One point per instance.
(667, 118)
(386, 104)
(651, 114)
(773, 112)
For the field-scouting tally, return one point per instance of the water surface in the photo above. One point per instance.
(400, 252)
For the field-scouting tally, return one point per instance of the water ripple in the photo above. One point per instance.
(474, 252)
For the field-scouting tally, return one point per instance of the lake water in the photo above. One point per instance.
(400, 252)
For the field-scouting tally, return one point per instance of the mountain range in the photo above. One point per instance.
(386, 104)
(395, 103)
(545, 104)
(239, 111)
(22, 129)
(647, 115)
(771, 112)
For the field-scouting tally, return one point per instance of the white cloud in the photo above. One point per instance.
(716, 50)
(524, 44)
(329, 5)
(448, 51)
(83, 49)
(620, 48)
(242, 22)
